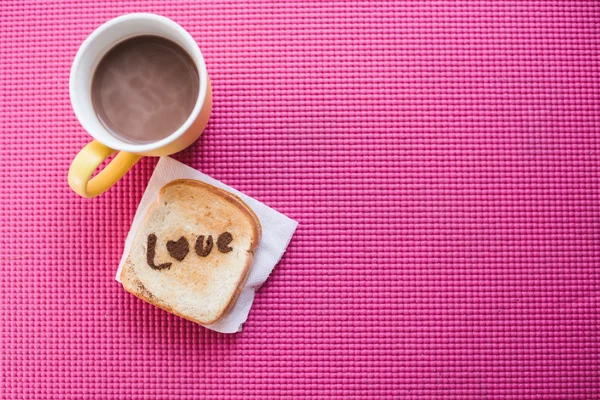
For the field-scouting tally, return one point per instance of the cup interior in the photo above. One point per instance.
(98, 44)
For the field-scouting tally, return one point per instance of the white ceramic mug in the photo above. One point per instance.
(104, 144)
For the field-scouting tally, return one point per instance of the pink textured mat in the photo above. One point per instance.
(441, 157)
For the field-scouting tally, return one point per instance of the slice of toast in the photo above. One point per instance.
(192, 254)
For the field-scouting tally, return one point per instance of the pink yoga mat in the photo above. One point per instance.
(441, 158)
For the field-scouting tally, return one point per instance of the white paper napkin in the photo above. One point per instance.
(277, 231)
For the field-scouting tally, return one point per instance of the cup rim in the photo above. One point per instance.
(108, 139)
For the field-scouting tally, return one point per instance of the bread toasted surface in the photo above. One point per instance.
(192, 254)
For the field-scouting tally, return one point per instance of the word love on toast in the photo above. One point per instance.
(180, 248)
(201, 287)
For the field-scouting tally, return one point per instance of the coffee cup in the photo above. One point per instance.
(121, 111)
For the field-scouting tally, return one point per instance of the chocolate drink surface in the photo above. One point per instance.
(144, 89)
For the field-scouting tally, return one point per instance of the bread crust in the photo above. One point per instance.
(132, 283)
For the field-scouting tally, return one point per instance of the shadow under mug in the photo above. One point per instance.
(104, 144)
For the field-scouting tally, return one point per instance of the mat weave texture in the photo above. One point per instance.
(441, 158)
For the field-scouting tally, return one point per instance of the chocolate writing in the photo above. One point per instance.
(222, 242)
(202, 250)
(179, 249)
(151, 253)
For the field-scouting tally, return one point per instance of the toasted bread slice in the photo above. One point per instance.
(192, 254)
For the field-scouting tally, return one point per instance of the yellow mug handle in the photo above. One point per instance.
(89, 158)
